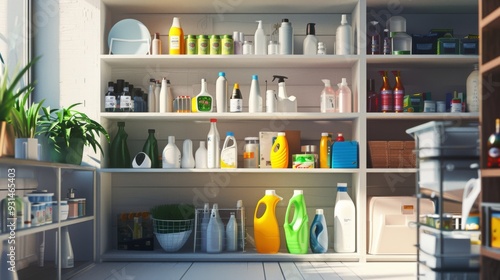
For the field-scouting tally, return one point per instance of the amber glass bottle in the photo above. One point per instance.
(386, 94)
(398, 92)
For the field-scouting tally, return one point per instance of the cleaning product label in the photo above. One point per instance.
(204, 103)
(386, 96)
(302, 161)
(228, 158)
(175, 42)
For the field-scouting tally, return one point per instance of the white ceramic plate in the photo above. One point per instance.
(129, 36)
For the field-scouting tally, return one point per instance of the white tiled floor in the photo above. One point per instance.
(250, 271)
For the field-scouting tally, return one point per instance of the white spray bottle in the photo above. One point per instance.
(260, 40)
(285, 103)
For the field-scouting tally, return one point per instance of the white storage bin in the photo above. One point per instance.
(453, 174)
(444, 139)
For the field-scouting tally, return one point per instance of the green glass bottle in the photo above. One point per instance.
(151, 149)
(119, 156)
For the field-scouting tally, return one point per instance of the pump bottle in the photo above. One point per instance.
(260, 40)
(310, 42)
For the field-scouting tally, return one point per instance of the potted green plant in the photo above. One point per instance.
(172, 224)
(9, 93)
(24, 120)
(68, 131)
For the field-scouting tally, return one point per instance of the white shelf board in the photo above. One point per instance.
(391, 170)
(234, 7)
(229, 61)
(415, 61)
(423, 116)
(205, 117)
(35, 163)
(35, 229)
(160, 255)
(233, 170)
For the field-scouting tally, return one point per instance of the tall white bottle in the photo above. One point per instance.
(310, 46)
(151, 96)
(187, 159)
(157, 95)
(285, 37)
(255, 98)
(200, 156)
(204, 226)
(215, 232)
(221, 93)
(343, 38)
(163, 95)
(232, 234)
(344, 97)
(171, 157)
(170, 97)
(344, 236)
(473, 90)
(259, 40)
(213, 146)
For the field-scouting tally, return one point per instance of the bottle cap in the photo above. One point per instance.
(222, 74)
(343, 21)
(284, 20)
(206, 207)
(229, 133)
(311, 30)
(255, 77)
(157, 35)
(151, 130)
(298, 192)
(176, 22)
(326, 82)
(324, 134)
(319, 211)
(216, 206)
(171, 139)
(281, 134)
(270, 192)
(213, 120)
(239, 203)
(251, 138)
(236, 35)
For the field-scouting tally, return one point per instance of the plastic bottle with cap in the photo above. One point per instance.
(171, 156)
(215, 232)
(266, 229)
(344, 237)
(229, 153)
(328, 98)
(240, 214)
(200, 156)
(176, 38)
(344, 97)
(204, 225)
(297, 230)
(221, 93)
(285, 37)
(279, 152)
(324, 150)
(255, 98)
(310, 46)
(260, 40)
(213, 146)
(343, 38)
(318, 234)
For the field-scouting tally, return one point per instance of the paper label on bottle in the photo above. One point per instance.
(398, 100)
(329, 103)
(235, 105)
(109, 102)
(387, 100)
(204, 103)
(175, 42)
(125, 102)
(494, 152)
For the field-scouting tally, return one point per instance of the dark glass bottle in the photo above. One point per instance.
(151, 149)
(236, 100)
(494, 147)
(126, 99)
(373, 98)
(119, 155)
(110, 98)
(118, 93)
(387, 43)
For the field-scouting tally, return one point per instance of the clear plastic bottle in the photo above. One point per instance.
(345, 97)
(328, 98)
(213, 148)
(215, 236)
(240, 214)
(221, 93)
(255, 98)
(343, 38)
(285, 37)
(472, 93)
(151, 96)
(232, 234)
(229, 153)
(171, 157)
(251, 152)
(204, 225)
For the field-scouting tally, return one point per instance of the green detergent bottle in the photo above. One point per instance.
(119, 156)
(297, 231)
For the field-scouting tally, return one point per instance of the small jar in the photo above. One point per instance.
(429, 106)
(251, 154)
(82, 204)
(73, 208)
(203, 44)
(440, 106)
(272, 48)
(311, 149)
(36, 213)
(191, 44)
(48, 212)
(227, 44)
(215, 44)
(247, 47)
(456, 106)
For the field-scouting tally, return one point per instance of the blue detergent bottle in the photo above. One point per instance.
(318, 240)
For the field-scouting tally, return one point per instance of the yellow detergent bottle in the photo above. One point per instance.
(266, 230)
(279, 152)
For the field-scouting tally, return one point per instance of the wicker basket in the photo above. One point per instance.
(172, 234)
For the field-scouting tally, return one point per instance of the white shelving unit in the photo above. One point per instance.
(58, 179)
(124, 190)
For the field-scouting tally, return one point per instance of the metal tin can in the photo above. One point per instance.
(227, 44)
(215, 47)
(191, 44)
(203, 44)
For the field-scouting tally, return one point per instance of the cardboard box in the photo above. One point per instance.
(266, 140)
(144, 240)
(293, 138)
